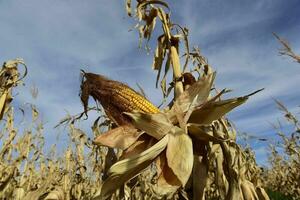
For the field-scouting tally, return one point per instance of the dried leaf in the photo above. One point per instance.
(2, 104)
(121, 137)
(199, 90)
(180, 155)
(167, 182)
(128, 7)
(156, 125)
(203, 133)
(211, 111)
(126, 169)
(144, 142)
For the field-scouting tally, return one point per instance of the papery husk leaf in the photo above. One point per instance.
(175, 61)
(19, 193)
(194, 95)
(165, 22)
(2, 104)
(37, 194)
(6, 180)
(248, 191)
(261, 193)
(35, 112)
(143, 143)
(221, 180)
(203, 133)
(150, 23)
(126, 169)
(156, 125)
(121, 137)
(212, 111)
(163, 83)
(200, 175)
(180, 155)
(128, 7)
(145, 3)
(57, 194)
(167, 182)
(234, 192)
(159, 56)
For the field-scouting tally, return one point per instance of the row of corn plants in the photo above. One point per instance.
(185, 150)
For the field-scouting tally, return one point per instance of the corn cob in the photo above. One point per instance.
(115, 97)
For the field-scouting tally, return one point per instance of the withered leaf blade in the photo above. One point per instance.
(156, 125)
(199, 90)
(128, 7)
(261, 193)
(145, 3)
(121, 137)
(57, 194)
(167, 182)
(248, 190)
(211, 111)
(180, 155)
(143, 143)
(126, 169)
(203, 133)
(2, 104)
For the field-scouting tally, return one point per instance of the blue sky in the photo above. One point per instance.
(57, 38)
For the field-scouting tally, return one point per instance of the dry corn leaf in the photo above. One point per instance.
(286, 49)
(221, 180)
(213, 110)
(248, 191)
(35, 112)
(167, 182)
(2, 104)
(261, 193)
(121, 137)
(156, 125)
(163, 83)
(126, 169)
(143, 143)
(57, 194)
(199, 90)
(200, 176)
(175, 61)
(40, 192)
(180, 155)
(203, 133)
(19, 193)
(165, 22)
(128, 7)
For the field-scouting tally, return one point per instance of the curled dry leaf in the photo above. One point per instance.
(9, 78)
(144, 142)
(180, 155)
(197, 93)
(167, 182)
(213, 110)
(204, 133)
(57, 194)
(156, 125)
(126, 169)
(121, 137)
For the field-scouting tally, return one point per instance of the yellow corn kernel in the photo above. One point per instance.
(135, 101)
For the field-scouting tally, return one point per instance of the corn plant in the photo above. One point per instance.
(190, 144)
(185, 150)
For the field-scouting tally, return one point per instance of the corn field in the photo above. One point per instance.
(184, 149)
